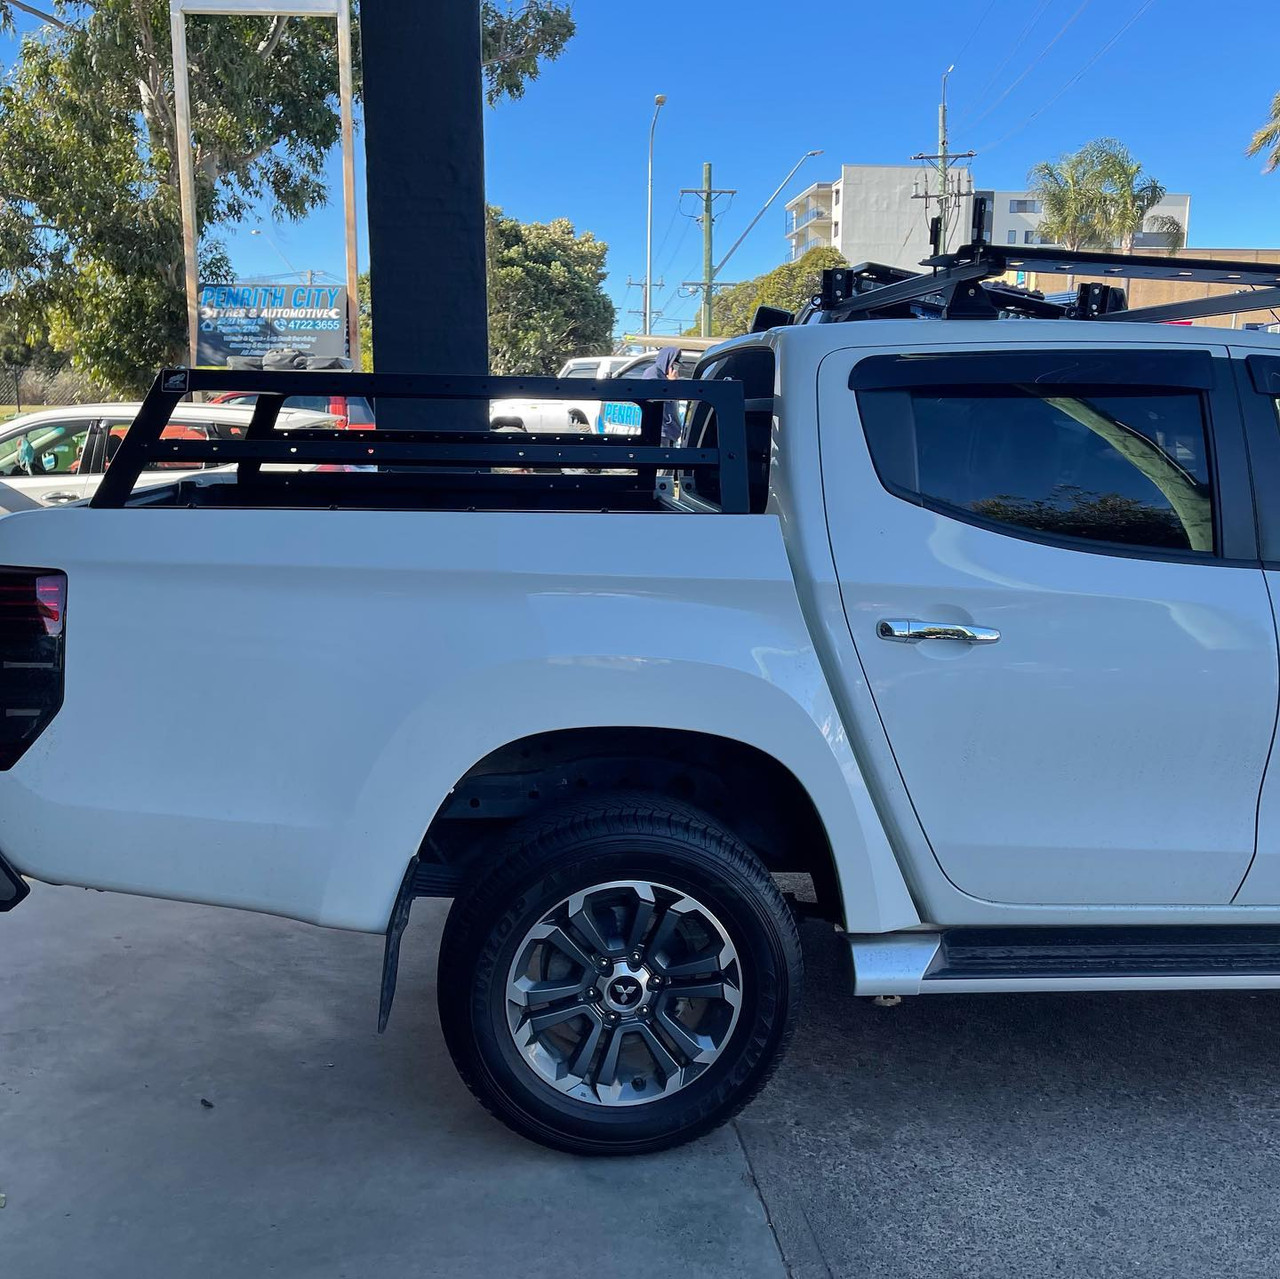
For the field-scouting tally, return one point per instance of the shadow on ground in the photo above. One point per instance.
(326, 1151)
(1000, 1135)
(953, 1136)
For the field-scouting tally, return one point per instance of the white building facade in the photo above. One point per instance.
(877, 213)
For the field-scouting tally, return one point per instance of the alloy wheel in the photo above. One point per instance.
(624, 993)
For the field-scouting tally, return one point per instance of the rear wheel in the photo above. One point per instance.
(621, 979)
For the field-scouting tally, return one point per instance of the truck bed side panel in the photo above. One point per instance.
(265, 709)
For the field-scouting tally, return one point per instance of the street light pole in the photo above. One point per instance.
(764, 209)
(659, 102)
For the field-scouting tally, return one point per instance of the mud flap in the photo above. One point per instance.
(391, 954)
(13, 888)
(421, 879)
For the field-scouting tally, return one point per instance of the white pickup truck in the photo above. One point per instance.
(558, 413)
(969, 619)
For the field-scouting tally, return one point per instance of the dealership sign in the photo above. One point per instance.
(252, 319)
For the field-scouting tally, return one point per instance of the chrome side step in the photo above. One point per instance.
(972, 960)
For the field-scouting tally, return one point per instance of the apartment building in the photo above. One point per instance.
(876, 213)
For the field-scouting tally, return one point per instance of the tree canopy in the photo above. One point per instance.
(1267, 139)
(1129, 196)
(1067, 191)
(90, 232)
(788, 286)
(546, 297)
(1100, 196)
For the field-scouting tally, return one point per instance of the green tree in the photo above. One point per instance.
(1099, 197)
(364, 308)
(1267, 138)
(1069, 192)
(546, 300)
(1128, 196)
(788, 286)
(89, 210)
(546, 297)
(24, 341)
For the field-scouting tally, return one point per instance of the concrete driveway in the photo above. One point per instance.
(967, 1136)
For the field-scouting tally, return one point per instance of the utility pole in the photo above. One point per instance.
(659, 101)
(708, 257)
(645, 311)
(947, 196)
(635, 310)
(708, 282)
(944, 172)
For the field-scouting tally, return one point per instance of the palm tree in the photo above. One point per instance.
(1268, 138)
(1128, 196)
(1069, 192)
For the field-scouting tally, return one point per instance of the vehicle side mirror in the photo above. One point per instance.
(771, 317)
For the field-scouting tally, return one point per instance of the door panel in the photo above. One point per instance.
(1109, 747)
(1261, 886)
(1258, 380)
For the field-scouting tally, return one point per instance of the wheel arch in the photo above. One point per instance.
(778, 704)
(741, 785)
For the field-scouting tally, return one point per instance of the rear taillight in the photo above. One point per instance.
(33, 609)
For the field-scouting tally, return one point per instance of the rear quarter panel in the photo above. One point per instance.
(265, 709)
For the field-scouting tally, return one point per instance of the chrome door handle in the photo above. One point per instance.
(61, 497)
(906, 631)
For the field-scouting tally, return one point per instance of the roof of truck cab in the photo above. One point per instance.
(815, 340)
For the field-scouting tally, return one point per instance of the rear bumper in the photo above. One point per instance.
(13, 888)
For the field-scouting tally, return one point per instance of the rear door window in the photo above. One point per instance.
(1129, 469)
(176, 430)
(1127, 466)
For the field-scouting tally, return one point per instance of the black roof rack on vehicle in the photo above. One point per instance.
(617, 468)
(963, 285)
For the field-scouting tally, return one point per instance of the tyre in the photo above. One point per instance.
(622, 977)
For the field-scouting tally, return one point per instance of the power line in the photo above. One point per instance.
(675, 291)
(675, 213)
(1105, 48)
(1032, 64)
(1004, 62)
(973, 31)
(675, 253)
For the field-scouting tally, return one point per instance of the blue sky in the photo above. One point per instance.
(752, 84)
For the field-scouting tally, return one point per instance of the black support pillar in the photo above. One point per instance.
(424, 150)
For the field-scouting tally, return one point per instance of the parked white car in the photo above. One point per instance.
(594, 366)
(56, 456)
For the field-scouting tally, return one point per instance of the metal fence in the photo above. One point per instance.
(27, 388)
(10, 391)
